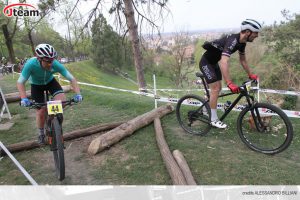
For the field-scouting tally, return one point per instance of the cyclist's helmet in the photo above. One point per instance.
(251, 24)
(45, 51)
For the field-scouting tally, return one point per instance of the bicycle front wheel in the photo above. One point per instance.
(265, 128)
(193, 114)
(58, 150)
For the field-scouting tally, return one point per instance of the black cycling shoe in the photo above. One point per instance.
(41, 139)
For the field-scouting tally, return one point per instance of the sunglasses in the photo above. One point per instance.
(47, 61)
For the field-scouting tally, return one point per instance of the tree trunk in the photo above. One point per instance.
(31, 42)
(172, 166)
(184, 167)
(108, 139)
(29, 31)
(133, 32)
(9, 44)
(27, 145)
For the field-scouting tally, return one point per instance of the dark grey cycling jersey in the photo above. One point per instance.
(226, 46)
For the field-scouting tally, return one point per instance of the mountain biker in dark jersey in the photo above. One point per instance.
(39, 70)
(215, 63)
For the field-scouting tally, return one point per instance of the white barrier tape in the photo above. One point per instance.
(295, 114)
(187, 90)
(223, 89)
(280, 92)
(21, 168)
(220, 106)
(112, 88)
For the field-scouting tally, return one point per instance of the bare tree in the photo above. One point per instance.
(147, 12)
(180, 62)
(131, 7)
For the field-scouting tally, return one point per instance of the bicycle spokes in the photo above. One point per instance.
(193, 114)
(265, 128)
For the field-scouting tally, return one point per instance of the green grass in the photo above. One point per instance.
(220, 158)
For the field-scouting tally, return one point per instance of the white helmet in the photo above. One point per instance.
(251, 24)
(45, 50)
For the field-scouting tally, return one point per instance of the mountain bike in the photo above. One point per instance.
(54, 131)
(4, 70)
(263, 127)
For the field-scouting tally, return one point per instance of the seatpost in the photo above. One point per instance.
(205, 87)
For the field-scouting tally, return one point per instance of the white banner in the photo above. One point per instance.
(161, 192)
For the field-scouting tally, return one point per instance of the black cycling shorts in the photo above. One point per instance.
(211, 72)
(37, 91)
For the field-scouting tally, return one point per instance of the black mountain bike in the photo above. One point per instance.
(54, 131)
(4, 70)
(263, 127)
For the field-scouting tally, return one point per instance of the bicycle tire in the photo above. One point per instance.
(275, 131)
(191, 119)
(4, 71)
(58, 151)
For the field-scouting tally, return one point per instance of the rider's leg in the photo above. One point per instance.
(215, 89)
(40, 118)
(37, 93)
(213, 77)
(60, 96)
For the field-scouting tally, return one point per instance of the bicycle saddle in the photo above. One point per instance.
(199, 74)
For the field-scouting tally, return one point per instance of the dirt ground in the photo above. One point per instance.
(78, 163)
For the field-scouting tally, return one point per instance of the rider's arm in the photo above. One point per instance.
(63, 71)
(244, 63)
(75, 86)
(22, 90)
(224, 66)
(22, 80)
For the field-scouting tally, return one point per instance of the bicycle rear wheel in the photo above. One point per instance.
(58, 149)
(4, 71)
(193, 114)
(265, 128)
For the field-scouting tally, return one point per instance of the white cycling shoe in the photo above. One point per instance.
(218, 124)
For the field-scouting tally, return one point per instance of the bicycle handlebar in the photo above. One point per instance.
(243, 86)
(39, 105)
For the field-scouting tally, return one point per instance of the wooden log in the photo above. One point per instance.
(108, 139)
(171, 164)
(27, 145)
(13, 97)
(184, 167)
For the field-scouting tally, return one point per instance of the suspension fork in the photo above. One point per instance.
(255, 114)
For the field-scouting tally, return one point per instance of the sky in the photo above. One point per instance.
(215, 14)
(190, 15)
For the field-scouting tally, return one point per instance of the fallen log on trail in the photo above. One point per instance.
(13, 97)
(27, 145)
(184, 167)
(171, 164)
(108, 139)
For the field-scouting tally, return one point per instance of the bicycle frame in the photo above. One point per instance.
(243, 93)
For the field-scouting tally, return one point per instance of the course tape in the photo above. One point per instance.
(294, 114)
(221, 106)
(295, 93)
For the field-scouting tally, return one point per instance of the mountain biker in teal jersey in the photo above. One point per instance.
(39, 71)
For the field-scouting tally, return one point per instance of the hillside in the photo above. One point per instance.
(220, 158)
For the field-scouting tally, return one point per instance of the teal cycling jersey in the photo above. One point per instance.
(37, 75)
